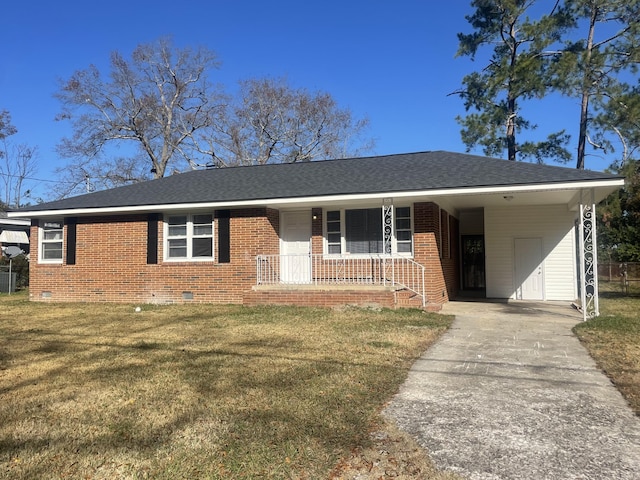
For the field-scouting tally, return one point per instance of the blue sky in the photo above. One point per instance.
(392, 62)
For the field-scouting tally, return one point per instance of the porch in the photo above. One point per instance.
(330, 280)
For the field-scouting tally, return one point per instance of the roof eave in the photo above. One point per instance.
(345, 198)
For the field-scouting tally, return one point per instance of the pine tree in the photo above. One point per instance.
(592, 68)
(516, 72)
(619, 219)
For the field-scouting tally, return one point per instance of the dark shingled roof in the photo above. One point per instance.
(389, 173)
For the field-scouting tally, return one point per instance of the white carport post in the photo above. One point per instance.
(588, 256)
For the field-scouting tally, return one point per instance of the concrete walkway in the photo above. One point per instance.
(510, 393)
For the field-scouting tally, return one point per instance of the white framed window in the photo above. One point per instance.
(361, 231)
(189, 237)
(403, 230)
(50, 239)
(334, 232)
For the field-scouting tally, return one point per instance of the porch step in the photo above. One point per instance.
(331, 296)
(408, 299)
(432, 307)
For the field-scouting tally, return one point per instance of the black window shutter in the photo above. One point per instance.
(71, 223)
(152, 238)
(224, 236)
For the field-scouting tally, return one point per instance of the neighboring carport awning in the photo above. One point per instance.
(12, 236)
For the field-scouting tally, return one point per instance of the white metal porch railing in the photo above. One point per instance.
(321, 269)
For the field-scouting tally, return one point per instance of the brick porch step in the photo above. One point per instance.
(333, 296)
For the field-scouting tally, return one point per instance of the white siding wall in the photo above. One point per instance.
(554, 225)
(471, 222)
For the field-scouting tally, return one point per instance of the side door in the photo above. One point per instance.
(529, 269)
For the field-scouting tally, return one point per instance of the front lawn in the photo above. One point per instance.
(613, 340)
(195, 391)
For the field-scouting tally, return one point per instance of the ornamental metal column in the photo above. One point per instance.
(387, 226)
(387, 240)
(588, 257)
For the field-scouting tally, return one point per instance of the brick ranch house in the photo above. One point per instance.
(399, 230)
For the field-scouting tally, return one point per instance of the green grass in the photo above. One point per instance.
(613, 340)
(195, 391)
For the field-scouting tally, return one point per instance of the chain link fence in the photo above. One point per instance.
(620, 277)
(19, 274)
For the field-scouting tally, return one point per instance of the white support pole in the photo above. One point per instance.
(596, 286)
(583, 296)
(588, 258)
(424, 297)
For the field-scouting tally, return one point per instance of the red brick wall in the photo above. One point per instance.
(111, 255)
(440, 261)
(321, 298)
(317, 232)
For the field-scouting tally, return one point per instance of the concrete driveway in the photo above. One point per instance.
(509, 392)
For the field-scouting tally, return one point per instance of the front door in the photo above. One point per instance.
(295, 259)
(528, 269)
(473, 262)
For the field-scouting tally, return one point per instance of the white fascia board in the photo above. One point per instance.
(547, 187)
(19, 220)
(345, 198)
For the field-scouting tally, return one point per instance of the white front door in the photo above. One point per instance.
(528, 269)
(295, 259)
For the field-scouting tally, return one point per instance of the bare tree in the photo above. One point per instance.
(275, 123)
(152, 105)
(161, 110)
(6, 127)
(19, 164)
(272, 122)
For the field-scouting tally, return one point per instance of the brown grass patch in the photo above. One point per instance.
(195, 391)
(613, 340)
